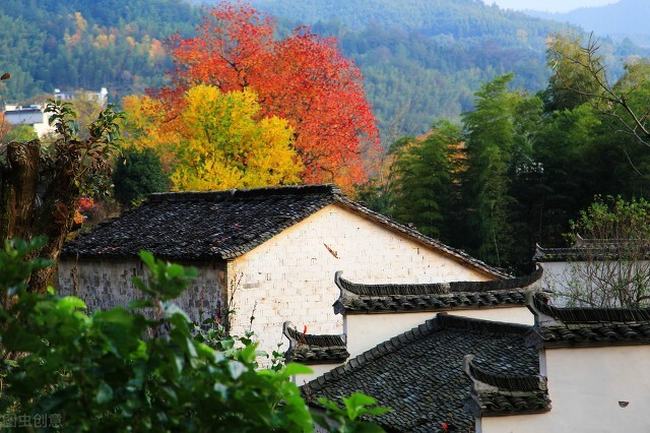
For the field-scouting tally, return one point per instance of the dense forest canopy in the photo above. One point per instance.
(48, 44)
(420, 59)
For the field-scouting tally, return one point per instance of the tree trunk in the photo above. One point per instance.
(55, 218)
(37, 200)
(18, 188)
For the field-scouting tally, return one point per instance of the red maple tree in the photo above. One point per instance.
(303, 78)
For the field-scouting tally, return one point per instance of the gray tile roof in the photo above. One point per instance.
(587, 327)
(227, 224)
(419, 374)
(314, 349)
(505, 394)
(370, 298)
(594, 249)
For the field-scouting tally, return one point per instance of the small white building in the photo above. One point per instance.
(529, 368)
(407, 343)
(593, 271)
(264, 256)
(594, 376)
(101, 96)
(32, 115)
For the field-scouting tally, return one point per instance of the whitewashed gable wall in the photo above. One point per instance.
(291, 276)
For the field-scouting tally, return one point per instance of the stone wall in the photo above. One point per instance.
(106, 284)
(291, 276)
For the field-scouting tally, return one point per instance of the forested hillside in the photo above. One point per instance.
(424, 59)
(421, 59)
(88, 43)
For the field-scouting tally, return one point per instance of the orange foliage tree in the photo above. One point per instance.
(303, 78)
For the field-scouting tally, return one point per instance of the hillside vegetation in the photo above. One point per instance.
(421, 59)
(424, 59)
(87, 43)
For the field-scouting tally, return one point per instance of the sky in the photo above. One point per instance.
(549, 5)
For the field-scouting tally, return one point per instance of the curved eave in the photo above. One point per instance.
(356, 298)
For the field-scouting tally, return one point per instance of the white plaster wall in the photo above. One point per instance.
(365, 331)
(585, 387)
(557, 277)
(560, 276)
(317, 371)
(291, 276)
(106, 284)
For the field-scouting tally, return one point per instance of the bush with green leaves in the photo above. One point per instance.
(140, 368)
(613, 236)
(138, 173)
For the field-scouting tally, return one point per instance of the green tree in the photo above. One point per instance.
(614, 236)
(40, 186)
(22, 133)
(137, 174)
(569, 85)
(140, 368)
(490, 139)
(422, 189)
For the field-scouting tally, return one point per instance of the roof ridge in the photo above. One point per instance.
(576, 315)
(441, 322)
(244, 192)
(448, 321)
(588, 250)
(438, 288)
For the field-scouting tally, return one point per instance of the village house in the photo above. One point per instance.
(486, 357)
(593, 377)
(264, 256)
(592, 270)
(414, 362)
(32, 115)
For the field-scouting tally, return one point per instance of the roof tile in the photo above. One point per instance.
(226, 224)
(419, 374)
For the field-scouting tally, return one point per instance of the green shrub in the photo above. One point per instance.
(139, 368)
(137, 174)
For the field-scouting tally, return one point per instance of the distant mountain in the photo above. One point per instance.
(70, 44)
(421, 59)
(625, 18)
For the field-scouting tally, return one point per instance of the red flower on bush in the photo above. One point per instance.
(85, 204)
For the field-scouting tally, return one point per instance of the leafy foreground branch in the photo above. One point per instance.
(140, 368)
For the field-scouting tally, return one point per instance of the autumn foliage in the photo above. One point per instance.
(302, 78)
(216, 140)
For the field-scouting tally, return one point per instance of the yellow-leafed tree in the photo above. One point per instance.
(216, 140)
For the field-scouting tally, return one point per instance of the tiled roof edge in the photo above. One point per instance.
(503, 395)
(504, 382)
(539, 306)
(243, 193)
(441, 322)
(587, 252)
(314, 348)
(437, 288)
